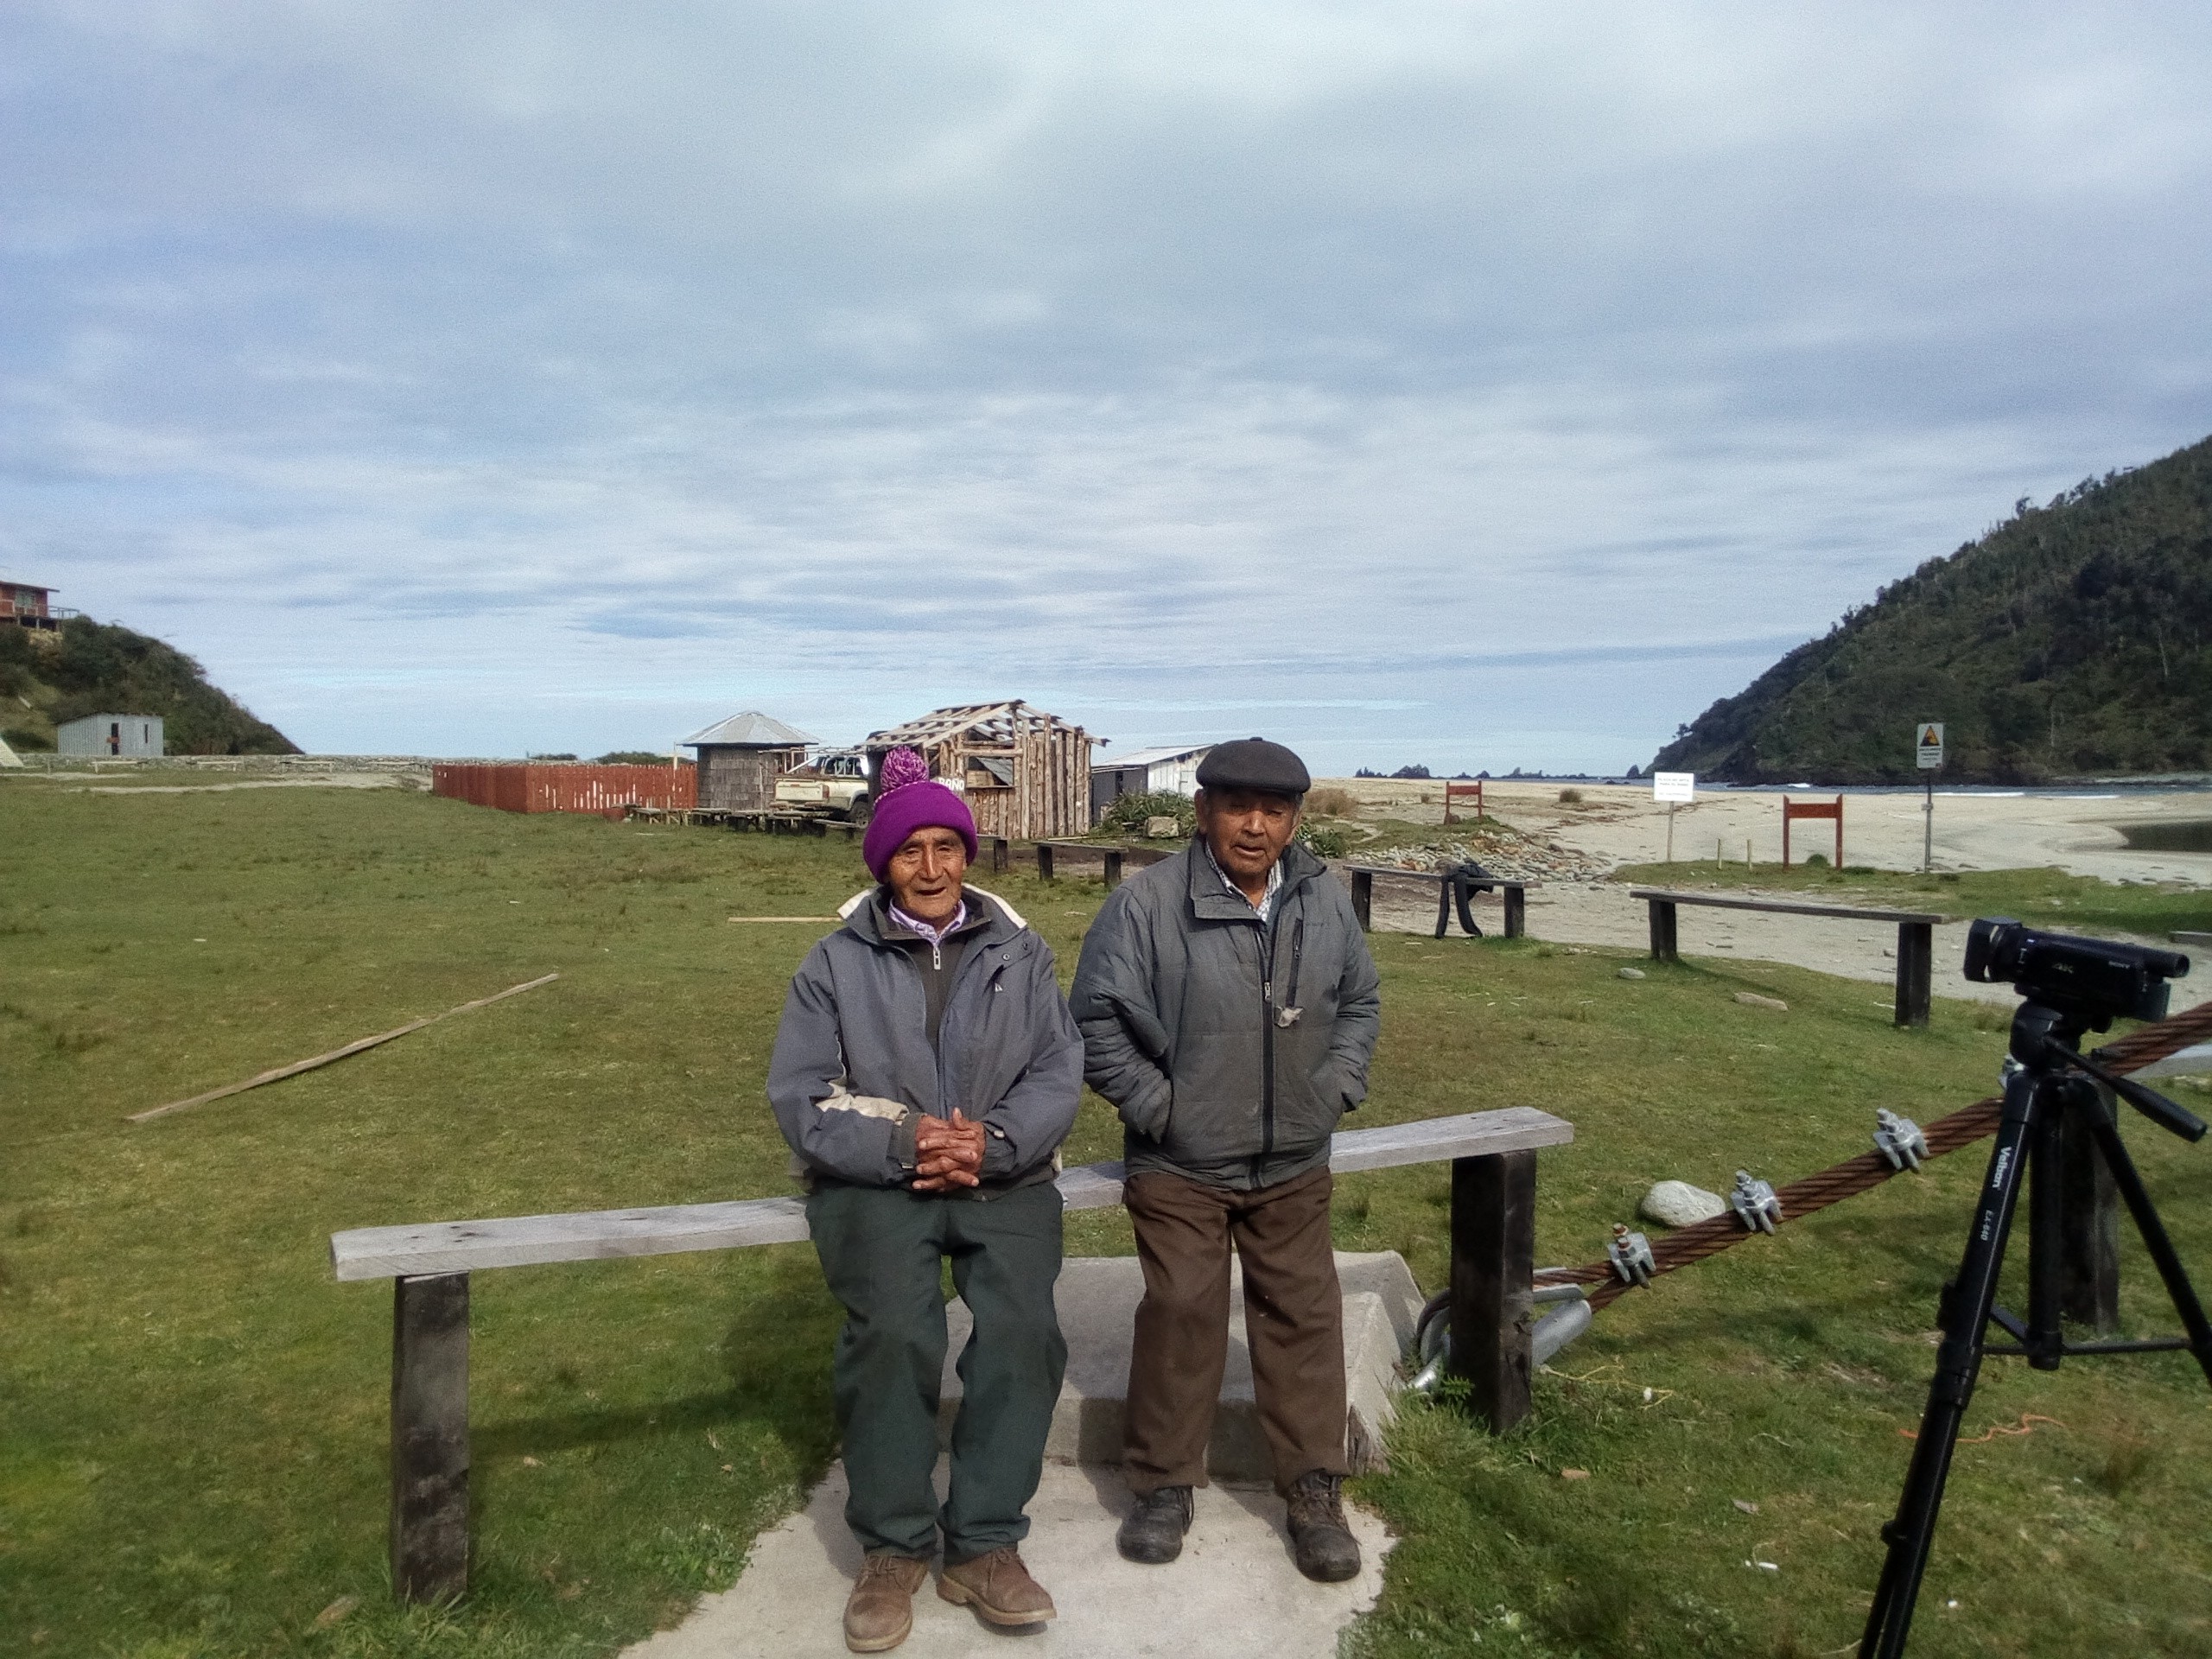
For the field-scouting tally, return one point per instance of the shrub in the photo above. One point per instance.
(1570, 798)
(1323, 843)
(1331, 803)
(1127, 814)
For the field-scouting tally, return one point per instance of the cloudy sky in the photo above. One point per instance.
(1479, 384)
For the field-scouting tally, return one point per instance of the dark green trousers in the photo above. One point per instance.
(882, 1249)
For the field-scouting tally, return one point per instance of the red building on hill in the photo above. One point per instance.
(28, 606)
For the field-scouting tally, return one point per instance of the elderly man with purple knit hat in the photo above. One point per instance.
(925, 1073)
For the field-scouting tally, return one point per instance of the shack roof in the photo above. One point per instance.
(1150, 757)
(750, 730)
(986, 724)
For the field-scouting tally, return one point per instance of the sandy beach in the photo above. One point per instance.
(1615, 824)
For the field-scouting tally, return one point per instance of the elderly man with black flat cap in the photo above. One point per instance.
(1229, 1008)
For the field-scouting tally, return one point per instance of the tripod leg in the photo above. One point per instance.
(2046, 1227)
(1958, 1363)
(2183, 1294)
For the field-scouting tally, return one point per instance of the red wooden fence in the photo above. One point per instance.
(606, 790)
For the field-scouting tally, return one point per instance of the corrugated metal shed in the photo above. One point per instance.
(121, 735)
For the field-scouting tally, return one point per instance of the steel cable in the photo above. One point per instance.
(1870, 1169)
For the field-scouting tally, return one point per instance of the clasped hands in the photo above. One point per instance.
(948, 1153)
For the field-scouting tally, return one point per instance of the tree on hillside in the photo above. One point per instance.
(100, 668)
(2073, 638)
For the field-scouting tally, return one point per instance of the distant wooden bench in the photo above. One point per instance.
(1513, 891)
(1493, 1158)
(1915, 937)
(1112, 858)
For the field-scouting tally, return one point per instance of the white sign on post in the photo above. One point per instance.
(1677, 787)
(1928, 749)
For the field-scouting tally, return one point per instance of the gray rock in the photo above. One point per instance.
(1677, 1203)
(1161, 829)
(1630, 973)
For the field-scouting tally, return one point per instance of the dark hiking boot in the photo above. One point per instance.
(1320, 1541)
(881, 1610)
(998, 1586)
(1154, 1530)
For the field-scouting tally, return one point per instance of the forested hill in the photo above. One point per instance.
(97, 668)
(2074, 639)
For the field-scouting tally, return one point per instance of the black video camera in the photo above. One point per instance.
(2097, 979)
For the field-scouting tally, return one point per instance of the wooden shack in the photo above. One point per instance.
(1025, 774)
(738, 758)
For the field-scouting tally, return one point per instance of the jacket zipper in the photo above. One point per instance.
(1267, 1050)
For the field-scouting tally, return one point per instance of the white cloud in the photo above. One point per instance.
(618, 364)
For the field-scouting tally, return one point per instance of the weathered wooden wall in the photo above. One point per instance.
(737, 780)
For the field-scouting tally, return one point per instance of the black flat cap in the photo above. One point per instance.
(1254, 763)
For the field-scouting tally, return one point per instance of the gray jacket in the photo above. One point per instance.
(1231, 1047)
(853, 1066)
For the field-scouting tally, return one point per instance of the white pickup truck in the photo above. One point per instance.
(835, 783)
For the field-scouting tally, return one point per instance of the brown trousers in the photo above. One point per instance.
(1293, 1323)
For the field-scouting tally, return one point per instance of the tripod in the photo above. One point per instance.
(2046, 1083)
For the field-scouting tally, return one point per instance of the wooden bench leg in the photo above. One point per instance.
(1662, 931)
(1362, 898)
(2089, 1202)
(1516, 912)
(1043, 862)
(1493, 1261)
(1113, 867)
(1916, 966)
(429, 1437)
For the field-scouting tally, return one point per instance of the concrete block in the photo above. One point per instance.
(1098, 1299)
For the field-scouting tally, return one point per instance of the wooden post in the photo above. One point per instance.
(1362, 898)
(998, 855)
(1043, 860)
(1662, 931)
(1785, 832)
(1516, 910)
(1493, 1261)
(429, 1437)
(2089, 1202)
(1113, 867)
(1839, 832)
(1915, 970)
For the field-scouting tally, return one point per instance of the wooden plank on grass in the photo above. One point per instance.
(1782, 907)
(336, 1054)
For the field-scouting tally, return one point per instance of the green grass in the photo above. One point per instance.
(2047, 898)
(193, 1413)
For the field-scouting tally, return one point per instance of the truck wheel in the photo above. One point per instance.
(859, 811)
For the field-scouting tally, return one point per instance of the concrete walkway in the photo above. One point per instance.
(1233, 1594)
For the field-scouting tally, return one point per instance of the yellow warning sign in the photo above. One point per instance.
(1928, 744)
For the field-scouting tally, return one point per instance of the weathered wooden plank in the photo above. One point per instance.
(1842, 913)
(583, 1235)
(429, 1438)
(1915, 972)
(1433, 1140)
(1493, 1258)
(601, 1234)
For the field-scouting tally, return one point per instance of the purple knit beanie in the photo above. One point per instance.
(906, 800)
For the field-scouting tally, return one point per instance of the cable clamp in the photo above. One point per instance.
(1754, 1203)
(1630, 1255)
(1899, 1140)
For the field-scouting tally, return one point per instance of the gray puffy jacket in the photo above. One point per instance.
(852, 1066)
(1231, 1047)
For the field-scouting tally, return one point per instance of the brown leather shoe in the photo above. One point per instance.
(998, 1586)
(881, 1610)
(1321, 1540)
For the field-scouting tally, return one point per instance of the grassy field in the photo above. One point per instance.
(193, 1413)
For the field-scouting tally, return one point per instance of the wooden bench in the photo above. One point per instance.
(1513, 891)
(1493, 1159)
(1113, 858)
(1915, 937)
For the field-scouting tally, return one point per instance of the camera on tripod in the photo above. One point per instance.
(2067, 985)
(2094, 978)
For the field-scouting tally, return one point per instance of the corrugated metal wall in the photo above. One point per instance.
(604, 790)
